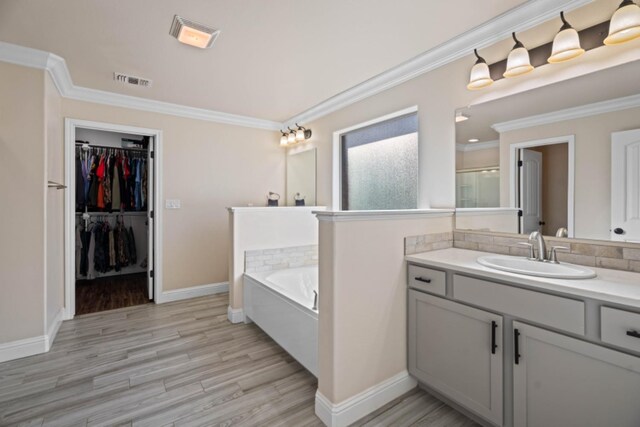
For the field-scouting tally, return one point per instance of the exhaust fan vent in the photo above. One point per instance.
(131, 80)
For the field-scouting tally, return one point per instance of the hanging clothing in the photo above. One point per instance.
(115, 196)
(80, 198)
(132, 246)
(91, 271)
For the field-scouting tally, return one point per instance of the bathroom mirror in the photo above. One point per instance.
(301, 176)
(565, 156)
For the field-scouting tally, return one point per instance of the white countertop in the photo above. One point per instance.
(620, 287)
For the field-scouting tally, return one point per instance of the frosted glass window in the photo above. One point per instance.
(380, 165)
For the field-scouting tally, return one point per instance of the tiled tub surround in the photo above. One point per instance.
(591, 253)
(428, 242)
(278, 258)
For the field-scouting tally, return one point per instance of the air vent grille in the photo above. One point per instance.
(131, 80)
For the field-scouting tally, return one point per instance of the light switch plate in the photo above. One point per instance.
(172, 203)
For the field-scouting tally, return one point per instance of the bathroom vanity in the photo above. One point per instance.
(520, 350)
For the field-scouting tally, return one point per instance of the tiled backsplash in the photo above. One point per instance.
(592, 253)
(427, 242)
(279, 258)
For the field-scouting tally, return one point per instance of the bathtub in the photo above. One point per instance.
(280, 302)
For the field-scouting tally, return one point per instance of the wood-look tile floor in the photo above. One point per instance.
(177, 364)
(111, 292)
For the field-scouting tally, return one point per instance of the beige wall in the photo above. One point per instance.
(592, 164)
(489, 157)
(208, 166)
(555, 173)
(363, 299)
(54, 147)
(22, 186)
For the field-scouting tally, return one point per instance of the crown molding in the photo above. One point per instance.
(521, 18)
(475, 146)
(57, 68)
(609, 106)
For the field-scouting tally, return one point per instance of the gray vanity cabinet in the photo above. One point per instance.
(563, 381)
(457, 351)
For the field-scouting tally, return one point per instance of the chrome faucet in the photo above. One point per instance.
(536, 239)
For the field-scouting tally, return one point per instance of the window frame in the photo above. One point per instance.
(338, 179)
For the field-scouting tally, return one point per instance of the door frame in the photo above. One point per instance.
(570, 140)
(70, 126)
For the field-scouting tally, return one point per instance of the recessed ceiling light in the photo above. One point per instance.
(474, 140)
(192, 33)
(460, 117)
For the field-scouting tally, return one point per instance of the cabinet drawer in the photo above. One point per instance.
(558, 312)
(428, 280)
(621, 328)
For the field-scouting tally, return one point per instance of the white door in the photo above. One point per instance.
(457, 350)
(562, 381)
(150, 217)
(530, 190)
(625, 186)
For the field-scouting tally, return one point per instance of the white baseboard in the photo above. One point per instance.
(192, 292)
(364, 403)
(53, 328)
(235, 315)
(22, 348)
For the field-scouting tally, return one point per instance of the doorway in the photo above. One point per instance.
(542, 185)
(111, 235)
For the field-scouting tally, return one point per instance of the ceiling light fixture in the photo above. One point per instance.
(480, 76)
(566, 44)
(461, 117)
(518, 62)
(474, 140)
(625, 24)
(192, 33)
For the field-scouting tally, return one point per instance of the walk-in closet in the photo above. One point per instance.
(113, 220)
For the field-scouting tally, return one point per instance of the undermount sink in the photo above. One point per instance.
(530, 267)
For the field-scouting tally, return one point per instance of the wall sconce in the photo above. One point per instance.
(293, 136)
(566, 44)
(518, 62)
(625, 24)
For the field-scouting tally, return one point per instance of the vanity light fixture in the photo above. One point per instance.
(480, 76)
(566, 44)
(291, 136)
(302, 133)
(518, 62)
(283, 139)
(460, 117)
(625, 24)
(192, 33)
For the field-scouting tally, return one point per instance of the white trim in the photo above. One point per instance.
(568, 139)
(521, 18)
(364, 403)
(336, 216)
(337, 157)
(587, 110)
(475, 146)
(192, 292)
(53, 328)
(235, 315)
(485, 211)
(57, 68)
(70, 126)
(22, 348)
(272, 208)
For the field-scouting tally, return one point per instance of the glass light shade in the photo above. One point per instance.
(300, 135)
(283, 140)
(518, 63)
(566, 46)
(291, 138)
(624, 25)
(480, 76)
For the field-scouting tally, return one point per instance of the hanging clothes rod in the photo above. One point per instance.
(82, 144)
(132, 213)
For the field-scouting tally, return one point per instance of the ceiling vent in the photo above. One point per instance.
(131, 80)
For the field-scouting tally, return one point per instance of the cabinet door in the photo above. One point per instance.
(457, 350)
(562, 381)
